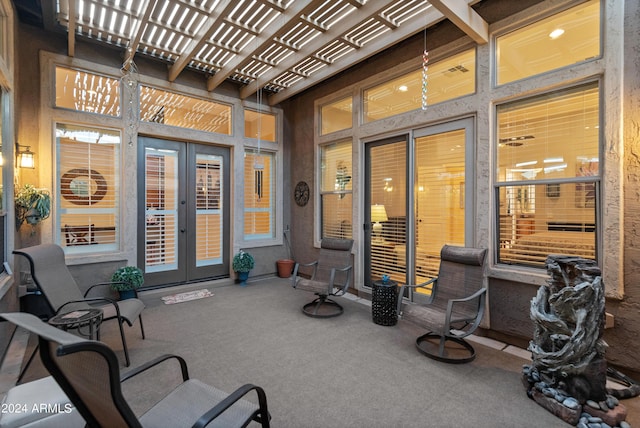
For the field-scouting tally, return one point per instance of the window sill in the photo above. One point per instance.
(537, 277)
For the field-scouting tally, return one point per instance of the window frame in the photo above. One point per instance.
(322, 193)
(117, 210)
(272, 198)
(598, 182)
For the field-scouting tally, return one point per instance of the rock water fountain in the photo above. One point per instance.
(568, 373)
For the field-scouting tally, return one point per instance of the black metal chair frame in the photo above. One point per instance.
(88, 300)
(68, 344)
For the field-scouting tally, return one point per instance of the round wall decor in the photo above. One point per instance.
(301, 194)
(82, 186)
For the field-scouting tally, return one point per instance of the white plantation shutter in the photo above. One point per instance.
(88, 181)
(548, 176)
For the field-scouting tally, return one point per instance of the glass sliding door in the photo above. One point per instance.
(443, 198)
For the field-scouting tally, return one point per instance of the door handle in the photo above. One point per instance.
(182, 230)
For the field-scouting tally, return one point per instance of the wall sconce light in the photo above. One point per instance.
(26, 158)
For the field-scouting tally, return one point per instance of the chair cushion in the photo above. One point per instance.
(22, 404)
(129, 310)
(194, 398)
(321, 287)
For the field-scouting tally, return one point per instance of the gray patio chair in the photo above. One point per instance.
(331, 276)
(89, 373)
(39, 404)
(450, 306)
(52, 277)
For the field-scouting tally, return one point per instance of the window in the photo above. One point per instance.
(83, 91)
(449, 78)
(336, 116)
(566, 38)
(173, 109)
(548, 176)
(259, 195)
(88, 183)
(261, 126)
(335, 190)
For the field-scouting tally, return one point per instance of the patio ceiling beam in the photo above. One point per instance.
(134, 39)
(290, 18)
(465, 18)
(407, 29)
(338, 31)
(71, 29)
(217, 17)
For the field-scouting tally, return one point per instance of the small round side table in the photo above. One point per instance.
(383, 303)
(79, 319)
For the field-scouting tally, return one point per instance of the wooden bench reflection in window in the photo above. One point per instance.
(79, 235)
(88, 234)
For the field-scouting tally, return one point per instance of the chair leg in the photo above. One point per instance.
(124, 343)
(141, 326)
(440, 352)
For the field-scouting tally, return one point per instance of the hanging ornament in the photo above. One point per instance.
(425, 68)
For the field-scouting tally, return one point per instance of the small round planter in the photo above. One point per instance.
(285, 267)
(242, 276)
(127, 294)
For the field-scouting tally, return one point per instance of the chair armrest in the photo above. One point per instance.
(480, 294)
(423, 284)
(411, 288)
(294, 275)
(152, 363)
(343, 290)
(468, 298)
(236, 395)
(94, 286)
(94, 299)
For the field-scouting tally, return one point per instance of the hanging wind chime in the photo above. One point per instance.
(425, 68)
(257, 164)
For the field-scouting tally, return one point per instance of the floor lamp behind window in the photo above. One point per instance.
(378, 214)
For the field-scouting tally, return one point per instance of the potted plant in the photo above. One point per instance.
(242, 263)
(32, 205)
(126, 280)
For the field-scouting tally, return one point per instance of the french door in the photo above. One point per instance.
(184, 190)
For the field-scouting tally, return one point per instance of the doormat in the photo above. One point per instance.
(185, 297)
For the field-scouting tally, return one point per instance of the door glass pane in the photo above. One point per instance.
(208, 209)
(440, 198)
(388, 169)
(161, 193)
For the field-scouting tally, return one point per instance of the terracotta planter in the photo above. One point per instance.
(285, 267)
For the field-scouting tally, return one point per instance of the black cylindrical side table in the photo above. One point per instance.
(383, 302)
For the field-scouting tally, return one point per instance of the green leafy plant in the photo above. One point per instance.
(127, 278)
(32, 205)
(243, 262)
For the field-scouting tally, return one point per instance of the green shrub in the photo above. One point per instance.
(127, 278)
(243, 262)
